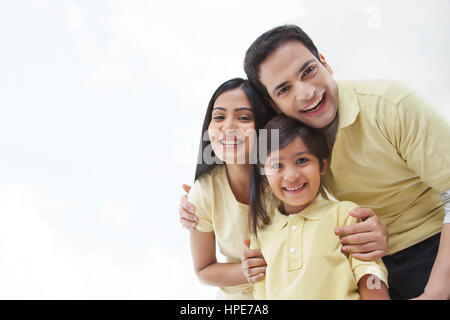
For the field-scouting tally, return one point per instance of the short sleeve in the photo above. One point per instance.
(200, 196)
(422, 136)
(361, 268)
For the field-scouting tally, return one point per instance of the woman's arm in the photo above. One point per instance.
(208, 270)
(372, 288)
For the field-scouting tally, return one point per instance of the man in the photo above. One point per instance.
(390, 152)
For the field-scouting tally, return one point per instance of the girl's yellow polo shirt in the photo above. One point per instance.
(218, 211)
(304, 258)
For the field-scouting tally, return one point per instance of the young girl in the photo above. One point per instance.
(221, 189)
(303, 255)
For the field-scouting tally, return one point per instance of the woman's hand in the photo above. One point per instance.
(253, 263)
(366, 240)
(187, 218)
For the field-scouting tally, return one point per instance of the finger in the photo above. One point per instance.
(247, 242)
(369, 256)
(186, 188)
(362, 213)
(251, 253)
(359, 227)
(256, 278)
(188, 225)
(186, 204)
(255, 271)
(359, 238)
(186, 217)
(254, 262)
(361, 248)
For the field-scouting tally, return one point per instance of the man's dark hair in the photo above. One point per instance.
(266, 44)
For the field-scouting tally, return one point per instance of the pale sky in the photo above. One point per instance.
(101, 106)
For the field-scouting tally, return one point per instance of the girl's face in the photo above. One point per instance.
(232, 127)
(294, 175)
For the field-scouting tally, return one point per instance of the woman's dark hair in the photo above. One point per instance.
(262, 114)
(266, 44)
(288, 130)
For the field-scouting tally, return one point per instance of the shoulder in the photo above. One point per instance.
(390, 90)
(340, 210)
(205, 185)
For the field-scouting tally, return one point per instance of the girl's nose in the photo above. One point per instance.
(304, 91)
(291, 175)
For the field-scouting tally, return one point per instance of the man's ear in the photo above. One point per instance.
(325, 64)
(323, 168)
(272, 104)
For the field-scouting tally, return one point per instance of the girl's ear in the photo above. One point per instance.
(323, 167)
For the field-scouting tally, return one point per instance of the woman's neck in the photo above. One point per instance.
(239, 176)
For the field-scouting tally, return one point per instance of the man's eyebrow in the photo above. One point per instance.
(300, 70)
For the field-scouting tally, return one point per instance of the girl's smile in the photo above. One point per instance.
(294, 175)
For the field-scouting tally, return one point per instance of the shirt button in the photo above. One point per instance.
(292, 250)
(294, 227)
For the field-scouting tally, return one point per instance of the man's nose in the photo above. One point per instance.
(304, 91)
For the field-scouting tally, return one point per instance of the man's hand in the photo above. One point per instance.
(366, 240)
(187, 218)
(253, 263)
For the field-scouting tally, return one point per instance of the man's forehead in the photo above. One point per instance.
(283, 63)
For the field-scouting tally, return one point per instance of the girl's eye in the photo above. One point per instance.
(302, 160)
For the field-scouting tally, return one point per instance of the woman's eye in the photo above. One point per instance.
(245, 118)
(218, 117)
(276, 166)
(302, 160)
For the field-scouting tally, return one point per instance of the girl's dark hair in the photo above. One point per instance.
(288, 130)
(266, 44)
(262, 114)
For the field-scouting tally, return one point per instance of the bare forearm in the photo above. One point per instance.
(372, 290)
(222, 274)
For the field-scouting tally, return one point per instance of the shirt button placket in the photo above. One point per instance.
(294, 244)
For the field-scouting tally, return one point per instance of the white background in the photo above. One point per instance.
(101, 105)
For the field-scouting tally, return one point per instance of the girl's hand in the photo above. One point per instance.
(187, 218)
(366, 240)
(253, 263)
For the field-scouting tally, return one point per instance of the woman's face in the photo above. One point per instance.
(293, 174)
(232, 127)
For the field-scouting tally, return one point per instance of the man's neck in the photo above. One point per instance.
(331, 131)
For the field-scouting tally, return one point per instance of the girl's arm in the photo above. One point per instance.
(208, 270)
(372, 288)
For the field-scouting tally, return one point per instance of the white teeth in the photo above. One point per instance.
(229, 142)
(294, 189)
(313, 105)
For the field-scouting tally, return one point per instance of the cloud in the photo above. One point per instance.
(37, 265)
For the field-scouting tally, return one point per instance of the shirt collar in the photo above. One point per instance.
(314, 211)
(348, 108)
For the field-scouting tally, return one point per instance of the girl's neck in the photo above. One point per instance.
(239, 176)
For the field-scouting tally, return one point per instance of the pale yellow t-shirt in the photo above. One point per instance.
(304, 258)
(391, 154)
(218, 211)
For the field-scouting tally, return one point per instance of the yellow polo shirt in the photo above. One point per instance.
(391, 154)
(304, 258)
(218, 211)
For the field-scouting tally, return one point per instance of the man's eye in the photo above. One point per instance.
(302, 160)
(309, 70)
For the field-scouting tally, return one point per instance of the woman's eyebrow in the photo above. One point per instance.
(244, 108)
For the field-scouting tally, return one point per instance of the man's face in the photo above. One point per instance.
(301, 86)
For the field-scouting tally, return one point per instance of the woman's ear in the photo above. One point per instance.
(323, 167)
